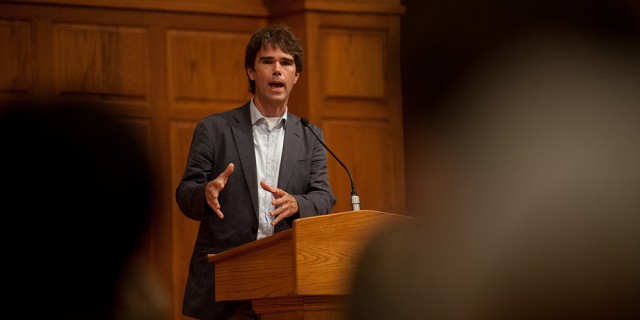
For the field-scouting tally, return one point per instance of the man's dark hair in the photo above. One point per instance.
(278, 36)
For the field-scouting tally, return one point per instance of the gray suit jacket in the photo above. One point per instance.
(228, 137)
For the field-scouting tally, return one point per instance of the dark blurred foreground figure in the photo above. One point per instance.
(532, 180)
(77, 197)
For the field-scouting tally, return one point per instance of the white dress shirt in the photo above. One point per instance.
(268, 139)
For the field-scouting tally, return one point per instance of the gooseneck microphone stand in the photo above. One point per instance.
(355, 199)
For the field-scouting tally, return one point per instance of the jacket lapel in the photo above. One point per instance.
(243, 137)
(292, 140)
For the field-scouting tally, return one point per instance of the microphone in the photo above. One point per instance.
(355, 199)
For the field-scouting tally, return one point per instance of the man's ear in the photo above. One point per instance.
(251, 73)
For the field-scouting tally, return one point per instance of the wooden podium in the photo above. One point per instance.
(300, 273)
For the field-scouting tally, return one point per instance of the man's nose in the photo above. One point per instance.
(277, 68)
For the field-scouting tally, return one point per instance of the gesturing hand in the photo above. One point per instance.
(214, 187)
(286, 205)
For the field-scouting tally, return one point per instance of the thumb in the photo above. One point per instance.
(228, 171)
(267, 187)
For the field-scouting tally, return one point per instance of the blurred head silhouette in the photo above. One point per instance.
(531, 188)
(76, 191)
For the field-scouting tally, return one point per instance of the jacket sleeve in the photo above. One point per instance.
(318, 198)
(190, 191)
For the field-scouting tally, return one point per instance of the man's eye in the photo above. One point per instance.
(287, 63)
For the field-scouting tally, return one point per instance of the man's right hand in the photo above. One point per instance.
(214, 187)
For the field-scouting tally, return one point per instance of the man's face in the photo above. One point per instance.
(274, 74)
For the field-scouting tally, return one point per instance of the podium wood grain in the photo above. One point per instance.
(305, 270)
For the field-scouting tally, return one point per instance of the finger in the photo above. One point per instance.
(217, 210)
(280, 213)
(278, 202)
(279, 210)
(268, 187)
(285, 199)
(227, 172)
(277, 193)
(277, 219)
(215, 206)
(219, 213)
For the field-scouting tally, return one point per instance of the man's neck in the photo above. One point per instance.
(270, 110)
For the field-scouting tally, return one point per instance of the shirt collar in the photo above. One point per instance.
(256, 115)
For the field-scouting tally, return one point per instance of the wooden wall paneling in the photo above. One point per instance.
(355, 81)
(184, 230)
(44, 76)
(103, 63)
(279, 7)
(246, 8)
(206, 71)
(397, 180)
(360, 88)
(26, 59)
(362, 75)
(16, 59)
(159, 245)
(367, 149)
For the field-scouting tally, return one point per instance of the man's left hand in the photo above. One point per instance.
(286, 205)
